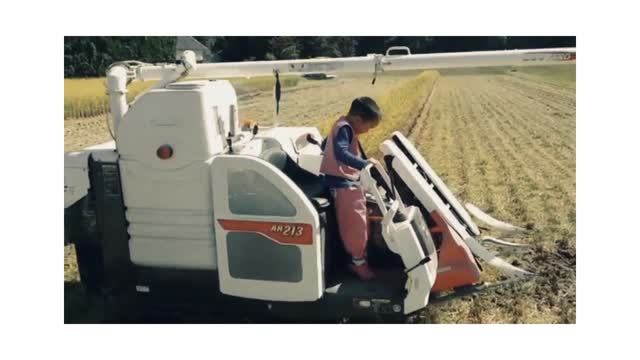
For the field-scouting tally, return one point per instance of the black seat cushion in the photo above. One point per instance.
(313, 186)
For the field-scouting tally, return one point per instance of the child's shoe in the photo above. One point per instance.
(363, 272)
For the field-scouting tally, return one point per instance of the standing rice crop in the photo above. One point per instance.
(85, 98)
(399, 107)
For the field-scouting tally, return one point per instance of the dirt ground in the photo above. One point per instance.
(507, 143)
(503, 140)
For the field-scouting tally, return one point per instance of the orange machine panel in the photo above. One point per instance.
(283, 233)
(456, 264)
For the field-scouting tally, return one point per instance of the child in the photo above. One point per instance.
(341, 165)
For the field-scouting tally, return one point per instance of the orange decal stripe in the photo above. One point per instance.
(283, 233)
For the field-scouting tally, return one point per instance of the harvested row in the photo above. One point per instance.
(547, 131)
(81, 133)
(550, 163)
(498, 148)
(556, 75)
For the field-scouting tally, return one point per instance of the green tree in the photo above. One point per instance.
(91, 55)
(285, 47)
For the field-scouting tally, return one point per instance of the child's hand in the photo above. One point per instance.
(374, 162)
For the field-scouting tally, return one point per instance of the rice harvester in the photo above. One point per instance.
(187, 206)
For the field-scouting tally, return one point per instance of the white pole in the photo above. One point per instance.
(117, 84)
(275, 105)
(367, 64)
(533, 57)
(186, 67)
(265, 68)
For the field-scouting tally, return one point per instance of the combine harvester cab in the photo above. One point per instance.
(458, 239)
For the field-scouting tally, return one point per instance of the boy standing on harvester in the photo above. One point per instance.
(341, 164)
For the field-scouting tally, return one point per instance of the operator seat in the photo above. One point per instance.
(310, 184)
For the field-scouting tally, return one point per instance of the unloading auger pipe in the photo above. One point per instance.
(367, 64)
(117, 84)
(266, 68)
(117, 80)
(530, 57)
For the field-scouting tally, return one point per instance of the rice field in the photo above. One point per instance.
(507, 143)
(84, 98)
(502, 138)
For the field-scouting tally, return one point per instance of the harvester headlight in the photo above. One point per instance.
(164, 152)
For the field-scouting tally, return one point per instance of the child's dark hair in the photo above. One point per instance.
(366, 108)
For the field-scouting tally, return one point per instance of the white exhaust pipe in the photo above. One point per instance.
(117, 83)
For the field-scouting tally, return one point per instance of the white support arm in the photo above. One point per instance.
(117, 79)
(185, 68)
(480, 59)
(117, 83)
(265, 68)
(366, 64)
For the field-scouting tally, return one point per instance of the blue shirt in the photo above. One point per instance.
(341, 145)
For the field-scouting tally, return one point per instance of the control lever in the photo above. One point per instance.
(312, 140)
(377, 176)
(230, 142)
(380, 176)
(374, 175)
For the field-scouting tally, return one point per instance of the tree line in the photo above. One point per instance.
(89, 56)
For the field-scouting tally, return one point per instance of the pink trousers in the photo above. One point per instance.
(351, 213)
